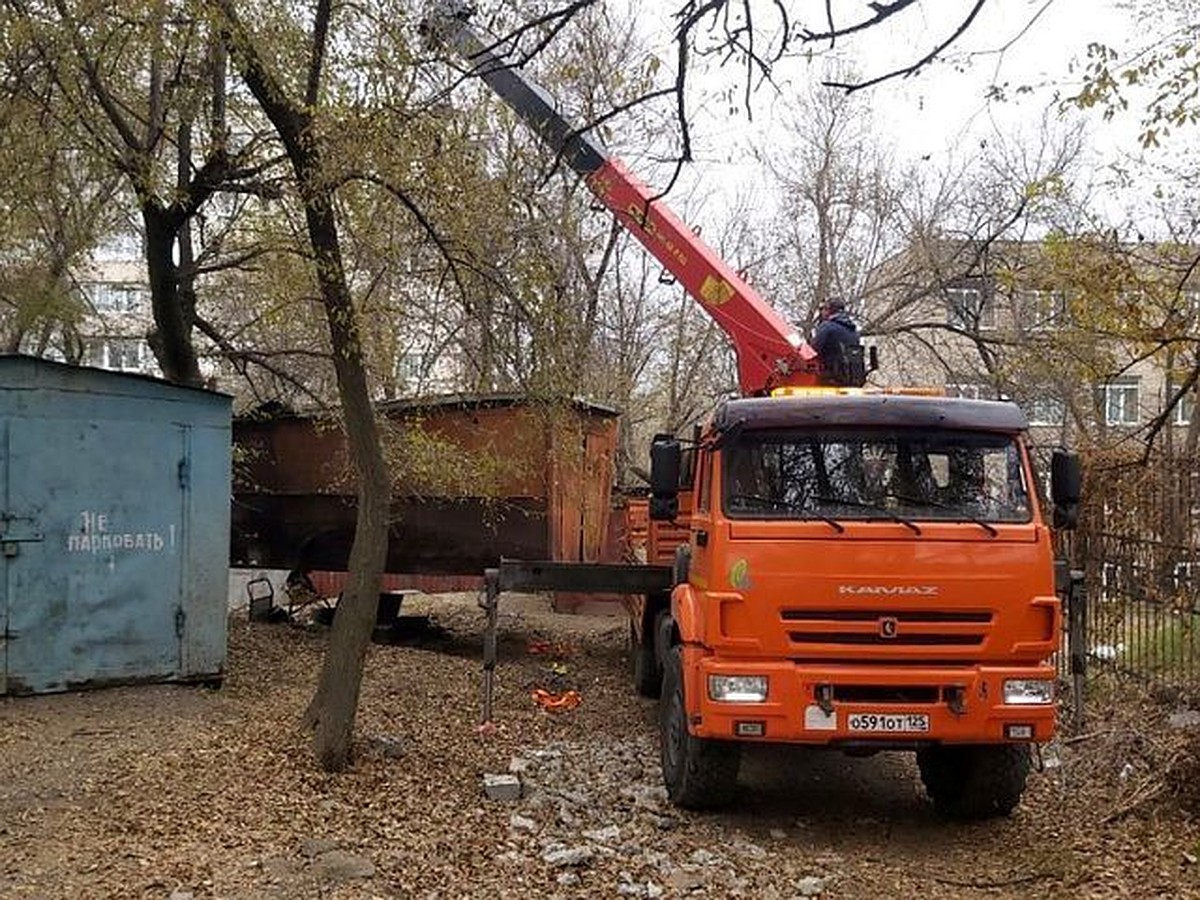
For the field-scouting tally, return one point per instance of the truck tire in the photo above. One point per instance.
(647, 675)
(698, 773)
(974, 781)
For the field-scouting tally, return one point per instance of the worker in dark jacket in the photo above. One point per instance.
(838, 346)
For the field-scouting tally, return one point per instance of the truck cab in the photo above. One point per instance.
(864, 570)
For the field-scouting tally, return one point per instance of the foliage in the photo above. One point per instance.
(56, 205)
(1161, 77)
(419, 457)
(139, 91)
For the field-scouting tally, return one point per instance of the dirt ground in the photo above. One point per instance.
(186, 792)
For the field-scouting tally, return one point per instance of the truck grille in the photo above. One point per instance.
(888, 627)
(885, 693)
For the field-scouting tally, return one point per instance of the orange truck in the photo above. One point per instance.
(864, 570)
(847, 567)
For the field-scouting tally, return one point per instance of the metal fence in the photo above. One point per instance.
(1143, 608)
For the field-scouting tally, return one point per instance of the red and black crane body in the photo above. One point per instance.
(770, 352)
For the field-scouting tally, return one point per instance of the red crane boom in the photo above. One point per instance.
(770, 352)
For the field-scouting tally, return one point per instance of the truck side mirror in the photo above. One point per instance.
(1066, 487)
(666, 462)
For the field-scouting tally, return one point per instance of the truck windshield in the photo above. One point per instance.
(870, 473)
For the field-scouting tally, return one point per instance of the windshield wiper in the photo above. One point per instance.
(887, 513)
(729, 433)
(937, 504)
(804, 506)
(785, 506)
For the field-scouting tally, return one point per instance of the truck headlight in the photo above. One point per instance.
(1028, 692)
(738, 688)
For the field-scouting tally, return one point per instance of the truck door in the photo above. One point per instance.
(702, 520)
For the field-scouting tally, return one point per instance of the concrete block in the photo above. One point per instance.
(502, 787)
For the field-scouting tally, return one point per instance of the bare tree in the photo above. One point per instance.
(841, 204)
(955, 229)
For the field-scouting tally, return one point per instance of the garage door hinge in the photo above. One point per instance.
(180, 619)
(185, 473)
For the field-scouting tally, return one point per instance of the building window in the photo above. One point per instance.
(970, 310)
(1184, 576)
(1191, 303)
(94, 352)
(410, 369)
(1185, 408)
(969, 390)
(115, 297)
(119, 354)
(1046, 410)
(1043, 310)
(1121, 402)
(1115, 583)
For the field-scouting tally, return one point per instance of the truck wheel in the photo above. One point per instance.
(647, 675)
(698, 773)
(974, 781)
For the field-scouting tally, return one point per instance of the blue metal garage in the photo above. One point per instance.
(114, 528)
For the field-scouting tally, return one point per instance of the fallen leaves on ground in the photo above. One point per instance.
(172, 790)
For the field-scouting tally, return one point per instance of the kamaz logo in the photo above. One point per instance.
(889, 590)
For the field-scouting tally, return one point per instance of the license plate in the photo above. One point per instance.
(888, 723)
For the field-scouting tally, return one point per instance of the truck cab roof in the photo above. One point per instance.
(867, 408)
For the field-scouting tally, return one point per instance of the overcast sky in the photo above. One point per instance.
(938, 114)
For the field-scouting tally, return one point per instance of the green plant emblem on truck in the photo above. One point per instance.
(739, 574)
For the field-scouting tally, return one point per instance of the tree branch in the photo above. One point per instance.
(883, 11)
(905, 71)
(317, 60)
(260, 359)
(417, 213)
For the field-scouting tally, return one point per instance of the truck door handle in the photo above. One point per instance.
(701, 538)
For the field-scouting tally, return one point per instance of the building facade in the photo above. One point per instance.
(1097, 343)
(117, 317)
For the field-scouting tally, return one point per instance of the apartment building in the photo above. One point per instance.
(1093, 340)
(117, 316)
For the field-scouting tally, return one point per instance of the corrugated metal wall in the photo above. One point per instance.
(115, 515)
(551, 477)
(580, 489)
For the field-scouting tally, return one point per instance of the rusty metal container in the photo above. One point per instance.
(475, 478)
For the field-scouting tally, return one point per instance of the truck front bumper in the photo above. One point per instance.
(850, 704)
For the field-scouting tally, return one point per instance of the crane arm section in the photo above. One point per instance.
(770, 352)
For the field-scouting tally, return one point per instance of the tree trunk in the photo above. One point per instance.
(171, 339)
(332, 710)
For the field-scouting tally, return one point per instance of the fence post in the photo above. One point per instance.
(490, 603)
(1077, 641)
